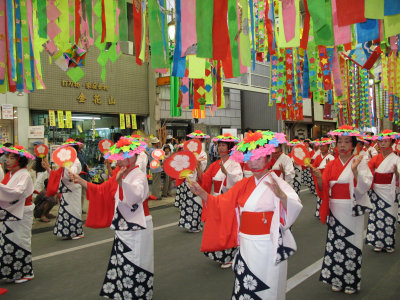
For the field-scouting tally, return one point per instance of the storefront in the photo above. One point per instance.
(90, 108)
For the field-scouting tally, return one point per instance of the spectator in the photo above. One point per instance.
(213, 151)
(156, 173)
(44, 204)
(3, 159)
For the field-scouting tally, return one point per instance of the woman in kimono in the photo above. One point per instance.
(307, 178)
(282, 165)
(16, 216)
(178, 183)
(320, 163)
(121, 203)
(218, 179)
(368, 151)
(343, 188)
(382, 219)
(191, 205)
(255, 213)
(68, 224)
(297, 168)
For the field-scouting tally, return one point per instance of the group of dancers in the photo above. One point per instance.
(244, 205)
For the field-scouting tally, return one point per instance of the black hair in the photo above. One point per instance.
(23, 161)
(46, 181)
(117, 136)
(230, 145)
(353, 141)
(38, 165)
(167, 146)
(76, 147)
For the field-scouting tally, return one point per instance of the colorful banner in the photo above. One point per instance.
(121, 121)
(60, 118)
(128, 121)
(68, 119)
(52, 118)
(134, 124)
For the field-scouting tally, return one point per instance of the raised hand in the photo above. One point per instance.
(45, 164)
(223, 170)
(355, 164)
(120, 174)
(282, 169)
(276, 189)
(198, 190)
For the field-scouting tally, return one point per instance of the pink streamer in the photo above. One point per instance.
(342, 34)
(336, 73)
(3, 40)
(394, 43)
(185, 97)
(189, 35)
(289, 19)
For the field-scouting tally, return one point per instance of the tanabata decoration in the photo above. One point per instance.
(158, 154)
(41, 150)
(17, 149)
(155, 163)
(105, 145)
(180, 165)
(193, 145)
(64, 156)
(75, 57)
(300, 155)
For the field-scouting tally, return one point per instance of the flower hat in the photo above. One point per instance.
(125, 147)
(198, 134)
(227, 137)
(20, 150)
(344, 130)
(294, 142)
(315, 142)
(257, 144)
(137, 137)
(180, 146)
(324, 141)
(70, 142)
(387, 134)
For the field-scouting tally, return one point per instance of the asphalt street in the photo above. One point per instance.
(75, 269)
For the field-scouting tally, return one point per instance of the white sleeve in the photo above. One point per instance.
(23, 185)
(134, 189)
(289, 170)
(1, 174)
(203, 163)
(234, 175)
(364, 179)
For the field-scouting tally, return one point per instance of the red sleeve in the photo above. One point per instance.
(101, 203)
(54, 182)
(206, 178)
(221, 227)
(324, 194)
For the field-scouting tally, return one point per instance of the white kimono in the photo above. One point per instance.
(69, 220)
(16, 226)
(142, 161)
(264, 256)
(382, 219)
(287, 164)
(235, 174)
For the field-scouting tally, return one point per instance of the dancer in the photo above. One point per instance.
(343, 189)
(282, 165)
(16, 216)
(382, 219)
(307, 178)
(257, 212)
(121, 204)
(320, 163)
(218, 179)
(297, 168)
(69, 219)
(368, 151)
(191, 205)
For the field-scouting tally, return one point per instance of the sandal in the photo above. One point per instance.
(44, 220)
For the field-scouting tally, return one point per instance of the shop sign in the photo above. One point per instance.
(122, 121)
(52, 118)
(36, 132)
(134, 125)
(68, 119)
(96, 98)
(7, 111)
(128, 120)
(60, 117)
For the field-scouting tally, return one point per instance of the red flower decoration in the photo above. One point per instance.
(123, 142)
(136, 136)
(19, 147)
(346, 127)
(252, 137)
(387, 131)
(227, 135)
(198, 131)
(70, 140)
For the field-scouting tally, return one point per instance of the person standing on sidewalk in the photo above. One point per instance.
(167, 180)
(85, 170)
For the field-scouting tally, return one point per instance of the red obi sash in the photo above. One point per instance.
(256, 223)
(383, 178)
(340, 191)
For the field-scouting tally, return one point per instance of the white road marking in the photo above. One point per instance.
(303, 275)
(47, 255)
(307, 273)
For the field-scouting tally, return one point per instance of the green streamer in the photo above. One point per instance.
(123, 21)
(204, 23)
(159, 55)
(244, 38)
(25, 47)
(321, 15)
(175, 111)
(109, 7)
(89, 12)
(233, 29)
(42, 17)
